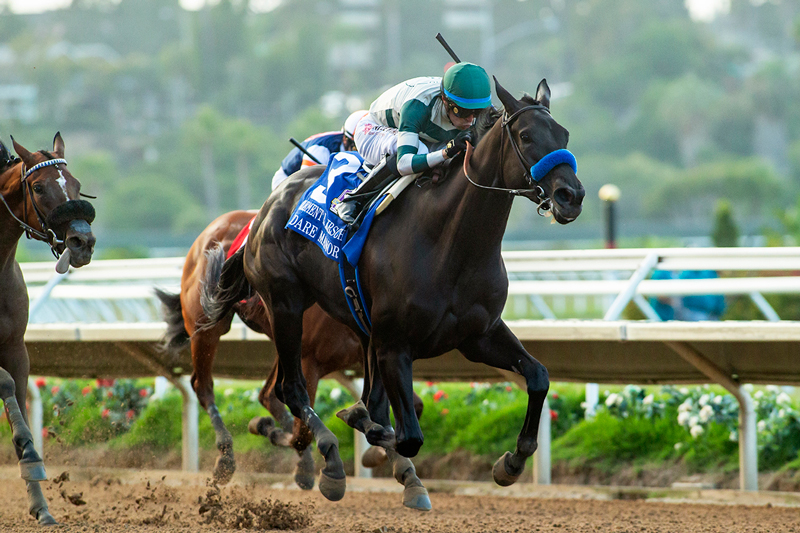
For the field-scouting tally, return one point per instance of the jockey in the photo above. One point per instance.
(409, 118)
(321, 146)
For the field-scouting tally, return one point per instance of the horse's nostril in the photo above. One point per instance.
(564, 196)
(76, 242)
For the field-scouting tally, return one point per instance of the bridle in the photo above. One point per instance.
(536, 193)
(46, 234)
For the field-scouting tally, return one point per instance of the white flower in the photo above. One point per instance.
(717, 400)
(762, 425)
(696, 430)
(781, 413)
(748, 387)
(706, 413)
(611, 400)
(783, 399)
(336, 393)
(773, 389)
(683, 418)
(703, 400)
(620, 399)
(485, 402)
(228, 392)
(678, 445)
(734, 437)
(685, 406)
(605, 393)
(254, 395)
(758, 395)
(694, 420)
(684, 391)
(648, 399)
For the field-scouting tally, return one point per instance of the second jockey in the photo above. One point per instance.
(411, 117)
(321, 146)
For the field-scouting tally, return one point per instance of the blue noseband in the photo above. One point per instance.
(552, 160)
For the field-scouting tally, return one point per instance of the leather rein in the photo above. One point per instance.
(537, 194)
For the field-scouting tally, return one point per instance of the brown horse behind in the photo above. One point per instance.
(328, 346)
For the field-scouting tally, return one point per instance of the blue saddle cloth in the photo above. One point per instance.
(313, 219)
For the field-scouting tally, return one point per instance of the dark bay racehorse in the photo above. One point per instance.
(41, 198)
(433, 275)
(327, 346)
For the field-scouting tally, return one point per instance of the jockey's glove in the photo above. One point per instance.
(458, 145)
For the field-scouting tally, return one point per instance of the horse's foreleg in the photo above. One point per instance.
(287, 320)
(204, 348)
(31, 465)
(396, 376)
(501, 349)
(266, 426)
(301, 435)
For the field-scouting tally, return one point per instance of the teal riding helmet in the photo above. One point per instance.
(467, 86)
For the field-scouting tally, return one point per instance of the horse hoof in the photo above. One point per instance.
(374, 457)
(332, 488)
(32, 471)
(46, 519)
(260, 425)
(224, 469)
(417, 498)
(501, 475)
(304, 480)
(352, 415)
(379, 436)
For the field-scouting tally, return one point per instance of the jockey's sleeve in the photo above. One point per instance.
(318, 151)
(413, 117)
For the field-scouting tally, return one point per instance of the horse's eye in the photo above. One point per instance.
(38, 189)
(525, 137)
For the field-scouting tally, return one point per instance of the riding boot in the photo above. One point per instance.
(349, 205)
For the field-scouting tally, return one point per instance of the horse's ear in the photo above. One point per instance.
(21, 151)
(4, 155)
(510, 104)
(58, 145)
(543, 93)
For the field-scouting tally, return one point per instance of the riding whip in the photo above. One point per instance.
(447, 47)
(302, 149)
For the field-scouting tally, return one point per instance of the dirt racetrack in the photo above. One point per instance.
(171, 501)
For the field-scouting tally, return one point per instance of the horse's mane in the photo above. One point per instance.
(487, 119)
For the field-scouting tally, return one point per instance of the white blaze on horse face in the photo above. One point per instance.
(62, 181)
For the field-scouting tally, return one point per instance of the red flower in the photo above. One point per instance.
(54, 390)
(508, 388)
(429, 383)
(86, 390)
(438, 395)
(105, 413)
(143, 393)
(45, 433)
(130, 414)
(445, 411)
(554, 396)
(110, 393)
(40, 382)
(105, 382)
(553, 415)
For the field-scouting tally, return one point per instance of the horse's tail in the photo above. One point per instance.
(176, 338)
(223, 285)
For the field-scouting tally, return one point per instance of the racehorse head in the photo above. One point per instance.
(44, 198)
(540, 144)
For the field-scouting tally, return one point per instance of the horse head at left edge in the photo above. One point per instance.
(45, 200)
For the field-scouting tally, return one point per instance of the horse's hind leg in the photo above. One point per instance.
(286, 310)
(501, 349)
(204, 348)
(280, 434)
(30, 464)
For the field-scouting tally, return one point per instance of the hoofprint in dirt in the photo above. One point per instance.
(172, 501)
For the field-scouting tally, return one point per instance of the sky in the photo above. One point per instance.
(701, 10)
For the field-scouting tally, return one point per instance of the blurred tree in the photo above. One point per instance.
(725, 232)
